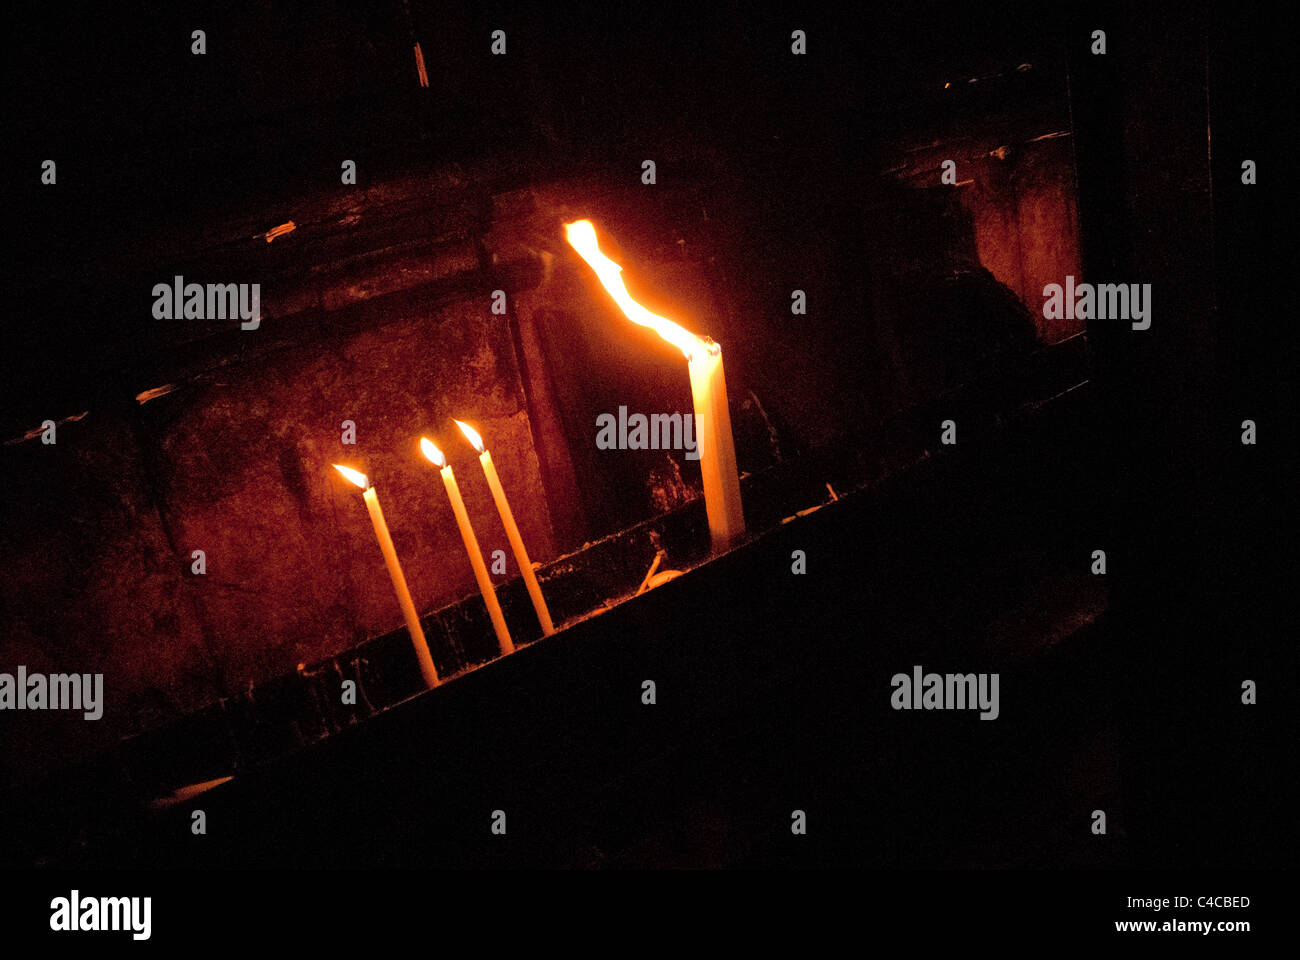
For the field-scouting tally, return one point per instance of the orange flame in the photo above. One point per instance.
(433, 453)
(356, 476)
(470, 434)
(581, 235)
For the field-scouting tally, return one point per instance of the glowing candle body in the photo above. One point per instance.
(717, 449)
(421, 645)
(512, 529)
(471, 547)
(517, 544)
(708, 392)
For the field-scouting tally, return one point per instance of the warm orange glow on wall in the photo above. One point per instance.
(280, 231)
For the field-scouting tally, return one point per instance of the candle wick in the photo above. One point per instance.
(704, 347)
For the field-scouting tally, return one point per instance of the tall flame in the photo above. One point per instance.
(581, 235)
(356, 476)
(433, 453)
(470, 434)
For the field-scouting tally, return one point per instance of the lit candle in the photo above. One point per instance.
(471, 544)
(708, 392)
(512, 529)
(395, 572)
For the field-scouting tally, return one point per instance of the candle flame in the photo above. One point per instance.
(356, 476)
(433, 453)
(470, 434)
(581, 235)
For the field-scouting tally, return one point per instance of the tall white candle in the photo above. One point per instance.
(512, 529)
(427, 669)
(471, 545)
(717, 449)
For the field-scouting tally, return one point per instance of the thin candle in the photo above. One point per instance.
(512, 528)
(708, 392)
(471, 545)
(421, 645)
